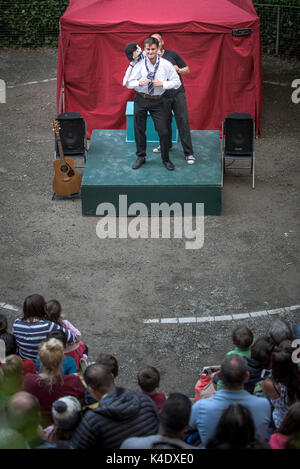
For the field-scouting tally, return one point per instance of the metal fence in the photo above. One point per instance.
(280, 29)
(21, 25)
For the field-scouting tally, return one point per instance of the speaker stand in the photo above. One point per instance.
(77, 195)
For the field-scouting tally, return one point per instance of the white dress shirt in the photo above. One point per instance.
(165, 73)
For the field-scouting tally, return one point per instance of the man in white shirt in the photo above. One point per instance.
(151, 77)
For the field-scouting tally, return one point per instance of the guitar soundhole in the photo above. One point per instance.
(67, 169)
(64, 168)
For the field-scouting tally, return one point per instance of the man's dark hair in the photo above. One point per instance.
(59, 335)
(148, 378)
(98, 377)
(175, 412)
(242, 337)
(110, 362)
(261, 351)
(150, 41)
(233, 371)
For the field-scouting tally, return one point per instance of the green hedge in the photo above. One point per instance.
(289, 31)
(31, 23)
(35, 23)
(293, 3)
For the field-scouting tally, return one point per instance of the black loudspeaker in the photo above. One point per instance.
(238, 130)
(72, 133)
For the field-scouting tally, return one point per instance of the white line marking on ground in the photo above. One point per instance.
(195, 319)
(277, 83)
(32, 83)
(228, 317)
(10, 307)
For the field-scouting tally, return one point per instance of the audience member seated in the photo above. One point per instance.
(11, 379)
(51, 384)
(33, 327)
(242, 338)
(173, 419)
(296, 331)
(66, 414)
(279, 331)
(68, 364)
(121, 413)
(10, 439)
(9, 339)
(148, 380)
(288, 434)
(12, 375)
(206, 413)
(260, 360)
(283, 388)
(78, 350)
(112, 364)
(235, 430)
(28, 366)
(23, 415)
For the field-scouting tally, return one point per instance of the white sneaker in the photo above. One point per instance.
(158, 149)
(190, 159)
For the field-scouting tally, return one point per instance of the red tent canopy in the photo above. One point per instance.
(225, 71)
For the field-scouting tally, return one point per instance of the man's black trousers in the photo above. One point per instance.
(178, 104)
(157, 111)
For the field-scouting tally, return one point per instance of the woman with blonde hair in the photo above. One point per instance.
(50, 384)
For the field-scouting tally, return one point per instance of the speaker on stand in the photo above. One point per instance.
(72, 135)
(238, 131)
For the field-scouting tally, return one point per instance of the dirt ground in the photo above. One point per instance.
(249, 261)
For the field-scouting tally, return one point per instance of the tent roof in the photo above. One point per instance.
(174, 15)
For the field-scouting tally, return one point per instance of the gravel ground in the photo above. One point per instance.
(249, 261)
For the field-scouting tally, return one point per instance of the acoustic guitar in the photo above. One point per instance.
(66, 180)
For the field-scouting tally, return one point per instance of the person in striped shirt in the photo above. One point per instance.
(33, 328)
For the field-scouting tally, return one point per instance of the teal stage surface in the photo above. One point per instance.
(108, 173)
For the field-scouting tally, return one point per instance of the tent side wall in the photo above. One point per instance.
(225, 73)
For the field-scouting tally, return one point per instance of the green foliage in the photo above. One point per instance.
(31, 23)
(294, 3)
(35, 23)
(288, 41)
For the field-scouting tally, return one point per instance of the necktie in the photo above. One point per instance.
(151, 75)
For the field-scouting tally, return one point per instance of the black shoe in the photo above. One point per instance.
(138, 163)
(169, 165)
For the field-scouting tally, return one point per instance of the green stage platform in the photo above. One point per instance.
(108, 173)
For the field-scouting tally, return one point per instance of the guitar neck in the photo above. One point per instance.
(60, 148)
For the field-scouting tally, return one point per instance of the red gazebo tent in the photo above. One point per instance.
(225, 70)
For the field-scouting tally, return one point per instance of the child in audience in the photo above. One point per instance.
(148, 380)
(12, 375)
(242, 338)
(9, 339)
(77, 350)
(66, 415)
(68, 364)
